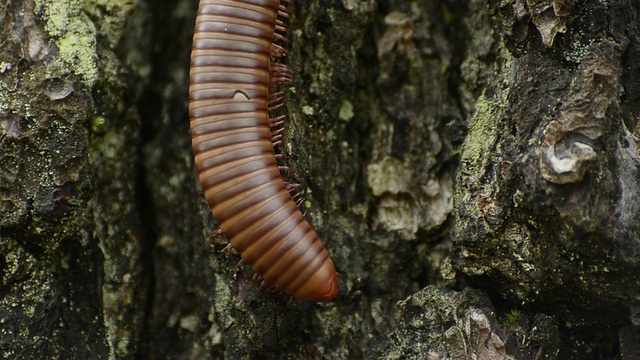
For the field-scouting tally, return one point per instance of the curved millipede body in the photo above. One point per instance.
(235, 131)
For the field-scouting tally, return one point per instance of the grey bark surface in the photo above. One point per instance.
(473, 166)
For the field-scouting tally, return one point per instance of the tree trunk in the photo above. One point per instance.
(472, 165)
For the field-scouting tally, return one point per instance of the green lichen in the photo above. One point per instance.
(346, 111)
(4, 102)
(123, 345)
(482, 131)
(74, 35)
(223, 292)
(113, 16)
(308, 110)
(578, 50)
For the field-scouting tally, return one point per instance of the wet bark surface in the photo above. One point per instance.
(473, 166)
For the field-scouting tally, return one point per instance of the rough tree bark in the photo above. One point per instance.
(473, 165)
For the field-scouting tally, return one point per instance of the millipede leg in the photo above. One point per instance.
(237, 266)
(283, 168)
(229, 249)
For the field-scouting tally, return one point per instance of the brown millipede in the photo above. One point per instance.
(235, 129)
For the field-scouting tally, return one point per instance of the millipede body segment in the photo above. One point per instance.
(235, 132)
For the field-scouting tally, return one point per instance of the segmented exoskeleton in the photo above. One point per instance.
(234, 132)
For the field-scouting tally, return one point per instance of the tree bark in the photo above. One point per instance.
(473, 166)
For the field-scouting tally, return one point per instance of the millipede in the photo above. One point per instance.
(235, 110)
